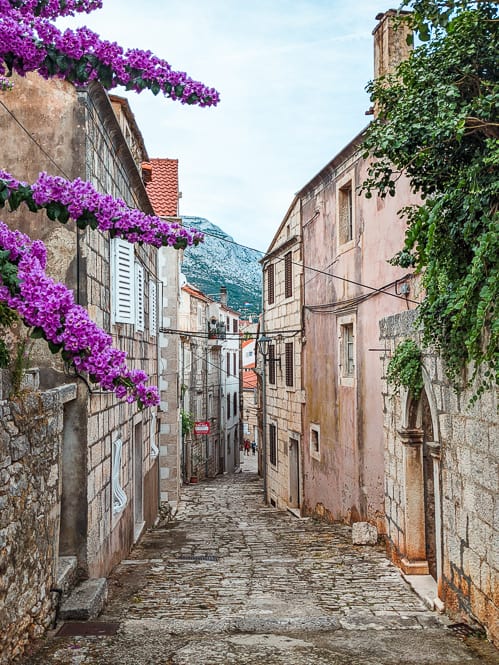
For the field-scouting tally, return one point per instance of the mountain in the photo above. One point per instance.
(219, 261)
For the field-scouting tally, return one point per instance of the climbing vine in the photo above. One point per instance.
(404, 368)
(438, 125)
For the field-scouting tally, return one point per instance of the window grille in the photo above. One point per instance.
(119, 496)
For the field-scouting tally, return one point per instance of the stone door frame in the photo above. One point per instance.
(411, 436)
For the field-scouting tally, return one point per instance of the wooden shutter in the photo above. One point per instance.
(139, 298)
(153, 309)
(288, 275)
(122, 277)
(289, 364)
(273, 444)
(272, 372)
(270, 284)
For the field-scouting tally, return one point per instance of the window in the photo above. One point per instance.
(270, 284)
(346, 356)
(234, 325)
(345, 214)
(315, 441)
(139, 298)
(235, 364)
(153, 309)
(119, 496)
(152, 435)
(228, 407)
(228, 364)
(235, 405)
(347, 350)
(289, 364)
(123, 281)
(288, 275)
(273, 444)
(272, 374)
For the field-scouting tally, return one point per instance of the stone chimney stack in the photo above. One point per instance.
(390, 42)
(223, 295)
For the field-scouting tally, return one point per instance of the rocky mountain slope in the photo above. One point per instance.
(219, 261)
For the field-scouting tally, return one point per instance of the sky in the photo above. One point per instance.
(291, 75)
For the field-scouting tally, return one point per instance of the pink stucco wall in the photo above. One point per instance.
(346, 483)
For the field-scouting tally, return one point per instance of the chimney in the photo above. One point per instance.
(390, 41)
(223, 295)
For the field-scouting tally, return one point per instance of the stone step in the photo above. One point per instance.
(66, 574)
(86, 601)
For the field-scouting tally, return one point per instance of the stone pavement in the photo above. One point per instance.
(231, 581)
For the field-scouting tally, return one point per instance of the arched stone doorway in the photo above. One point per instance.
(419, 437)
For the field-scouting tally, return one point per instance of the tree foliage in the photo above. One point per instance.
(438, 125)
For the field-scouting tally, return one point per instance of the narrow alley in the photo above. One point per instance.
(229, 580)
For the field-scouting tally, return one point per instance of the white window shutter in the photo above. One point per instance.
(119, 496)
(122, 276)
(153, 309)
(139, 298)
(152, 435)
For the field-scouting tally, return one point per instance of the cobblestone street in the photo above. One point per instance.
(232, 581)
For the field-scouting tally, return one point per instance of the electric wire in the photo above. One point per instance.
(226, 239)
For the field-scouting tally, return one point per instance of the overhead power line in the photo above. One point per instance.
(225, 239)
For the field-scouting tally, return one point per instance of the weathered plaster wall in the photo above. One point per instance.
(345, 482)
(468, 438)
(30, 473)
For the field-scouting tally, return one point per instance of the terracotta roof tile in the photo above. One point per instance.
(250, 379)
(162, 187)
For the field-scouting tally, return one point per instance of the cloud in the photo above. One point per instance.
(291, 75)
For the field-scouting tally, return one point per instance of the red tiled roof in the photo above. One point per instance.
(162, 187)
(250, 379)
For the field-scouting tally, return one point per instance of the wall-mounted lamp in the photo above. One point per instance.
(264, 347)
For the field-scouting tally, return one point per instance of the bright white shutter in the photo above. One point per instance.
(122, 276)
(152, 434)
(153, 309)
(119, 496)
(139, 298)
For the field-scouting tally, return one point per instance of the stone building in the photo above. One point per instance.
(161, 178)
(250, 382)
(441, 484)
(210, 383)
(282, 395)
(109, 467)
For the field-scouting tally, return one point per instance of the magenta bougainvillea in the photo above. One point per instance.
(30, 42)
(79, 200)
(49, 309)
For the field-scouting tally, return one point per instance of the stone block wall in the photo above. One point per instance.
(468, 437)
(30, 459)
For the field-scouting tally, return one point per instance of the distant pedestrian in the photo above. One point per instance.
(253, 447)
(246, 447)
